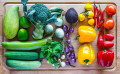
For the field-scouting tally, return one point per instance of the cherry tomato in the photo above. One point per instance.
(110, 10)
(109, 24)
(109, 37)
(108, 44)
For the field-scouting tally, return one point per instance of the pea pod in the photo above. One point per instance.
(28, 45)
(56, 9)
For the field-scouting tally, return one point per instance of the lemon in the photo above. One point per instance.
(81, 17)
(88, 7)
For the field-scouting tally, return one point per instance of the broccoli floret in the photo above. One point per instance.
(41, 13)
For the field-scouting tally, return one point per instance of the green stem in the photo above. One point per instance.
(77, 37)
(86, 61)
(105, 50)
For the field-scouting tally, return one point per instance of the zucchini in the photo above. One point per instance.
(21, 55)
(23, 64)
(26, 45)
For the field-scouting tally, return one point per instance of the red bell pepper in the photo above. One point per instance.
(105, 58)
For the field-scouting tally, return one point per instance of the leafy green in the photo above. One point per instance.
(52, 51)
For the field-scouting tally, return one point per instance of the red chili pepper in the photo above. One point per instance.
(105, 58)
(108, 44)
(94, 15)
(102, 15)
(100, 41)
(109, 37)
(98, 20)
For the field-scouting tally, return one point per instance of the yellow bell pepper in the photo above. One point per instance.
(86, 34)
(86, 54)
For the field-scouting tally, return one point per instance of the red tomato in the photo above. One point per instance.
(108, 44)
(109, 37)
(109, 24)
(110, 10)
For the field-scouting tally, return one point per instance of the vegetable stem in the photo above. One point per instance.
(86, 61)
(77, 37)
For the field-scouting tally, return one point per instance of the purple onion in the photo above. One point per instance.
(73, 60)
(70, 47)
(67, 62)
(71, 30)
(68, 41)
(66, 49)
(64, 27)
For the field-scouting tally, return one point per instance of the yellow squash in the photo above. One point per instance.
(86, 54)
(86, 33)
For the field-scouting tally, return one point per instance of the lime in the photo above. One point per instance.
(24, 22)
(22, 34)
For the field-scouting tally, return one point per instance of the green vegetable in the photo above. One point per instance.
(56, 9)
(11, 22)
(59, 21)
(24, 22)
(55, 13)
(26, 45)
(21, 55)
(59, 33)
(52, 51)
(39, 15)
(48, 29)
(23, 34)
(23, 64)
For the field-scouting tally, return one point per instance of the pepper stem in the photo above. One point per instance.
(105, 50)
(86, 61)
(77, 37)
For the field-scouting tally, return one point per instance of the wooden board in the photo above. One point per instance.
(115, 32)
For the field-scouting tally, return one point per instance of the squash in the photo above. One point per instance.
(11, 22)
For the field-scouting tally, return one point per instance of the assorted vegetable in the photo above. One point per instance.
(52, 36)
(105, 57)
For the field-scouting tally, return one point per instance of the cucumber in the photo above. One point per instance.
(26, 45)
(23, 64)
(11, 22)
(21, 55)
